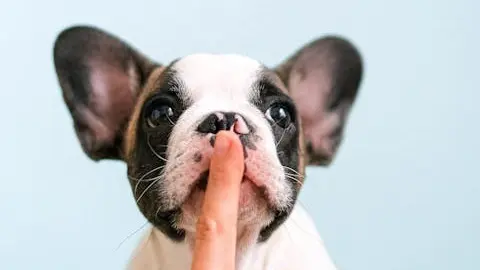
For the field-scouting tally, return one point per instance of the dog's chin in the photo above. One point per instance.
(254, 208)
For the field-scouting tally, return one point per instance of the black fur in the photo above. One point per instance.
(150, 144)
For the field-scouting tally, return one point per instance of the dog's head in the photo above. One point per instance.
(162, 120)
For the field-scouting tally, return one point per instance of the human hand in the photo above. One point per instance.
(216, 233)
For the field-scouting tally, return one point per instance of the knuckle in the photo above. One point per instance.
(207, 228)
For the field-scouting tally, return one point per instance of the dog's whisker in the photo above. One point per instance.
(142, 178)
(149, 172)
(156, 179)
(170, 120)
(146, 189)
(294, 175)
(130, 235)
(155, 153)
(294, 179)
(146, 180)
(291, 175)
(286, 167)
(281, 137)
(292, 171)
(158, 210)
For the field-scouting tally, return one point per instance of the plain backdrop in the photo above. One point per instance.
(403, 193)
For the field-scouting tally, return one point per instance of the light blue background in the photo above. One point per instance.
(404, 188)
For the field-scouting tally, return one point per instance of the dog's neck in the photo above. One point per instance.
(296, 244)
(247, 238)
(179, 255)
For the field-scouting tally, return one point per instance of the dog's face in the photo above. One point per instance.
(174, 132)
(162, 120)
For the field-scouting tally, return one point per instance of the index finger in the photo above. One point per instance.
(217, 226)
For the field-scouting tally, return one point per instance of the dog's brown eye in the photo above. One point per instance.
(159, 114)
(279, 115)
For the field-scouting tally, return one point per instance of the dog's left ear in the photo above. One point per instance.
(323, 79)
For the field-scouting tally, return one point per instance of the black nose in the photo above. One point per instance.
(216, 122)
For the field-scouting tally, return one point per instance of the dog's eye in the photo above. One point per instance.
(279, 114)
(159, 114)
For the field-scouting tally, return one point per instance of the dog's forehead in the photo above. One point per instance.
(218, 75)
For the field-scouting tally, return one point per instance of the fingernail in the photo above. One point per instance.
(222, 144)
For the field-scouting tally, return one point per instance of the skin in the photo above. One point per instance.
(217, 226)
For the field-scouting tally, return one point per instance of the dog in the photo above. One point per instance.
(161, 120)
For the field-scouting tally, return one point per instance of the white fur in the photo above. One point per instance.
(218, 75)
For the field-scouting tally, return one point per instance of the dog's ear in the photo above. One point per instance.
(323, 79)
(101, 77)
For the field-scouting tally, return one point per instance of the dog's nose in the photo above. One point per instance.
(218, 121)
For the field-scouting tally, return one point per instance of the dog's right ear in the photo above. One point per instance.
(323, 78)
(101, 77)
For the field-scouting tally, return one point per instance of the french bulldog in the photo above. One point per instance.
(161, 120)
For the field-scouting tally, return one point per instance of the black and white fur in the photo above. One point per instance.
(162, 120)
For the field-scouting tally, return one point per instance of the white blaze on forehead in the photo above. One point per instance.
(226, 76)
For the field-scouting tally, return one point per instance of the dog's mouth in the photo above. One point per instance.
(253, 203)
(202, 181)
(253, 198)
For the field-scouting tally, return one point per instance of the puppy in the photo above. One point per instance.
(161, 120)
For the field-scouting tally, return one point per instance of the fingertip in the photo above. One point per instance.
(222, 144)
(228, 135)
(232, 140)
